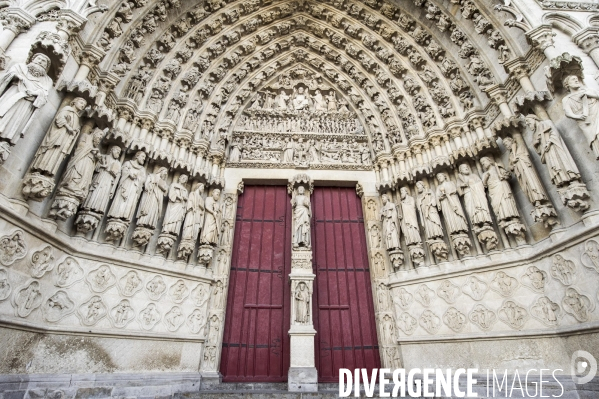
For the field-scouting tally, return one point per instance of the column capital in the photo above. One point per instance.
(587, 39)
(497, 93)
(541, 37)
(517, 67)
(18, 20)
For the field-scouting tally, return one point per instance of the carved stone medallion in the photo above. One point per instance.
(504, 284)
(122, 314)
(425, 295)
(67, 273)
(482, 317)
(475, 288)
(149, 316)
(563, 270)
(156, 287)
(58, 306)
(5, 286)
(42, 261)
(92, 311)
(196, 321)
(100, 279)
(178, 291)
(454, 319)
(546, 311)
(430, 321)
(448, 291)
(578, 305)
(200, 295)
(402, 298)
(130, 283)
(174, 319)
(535, 279)
(513, 314)
(407, 323)
(590, 256)
(27, 299)
(12, 247)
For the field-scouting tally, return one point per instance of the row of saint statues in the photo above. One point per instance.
(453, 208)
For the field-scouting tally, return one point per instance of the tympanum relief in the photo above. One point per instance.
(299, 121)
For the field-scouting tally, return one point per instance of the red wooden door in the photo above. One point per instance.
(256, 342)
(343, 305)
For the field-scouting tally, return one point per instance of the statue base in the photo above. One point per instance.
(165, 243)
(302, 376)
(416, 254)
(87, 221)
(63, 207)
(397, 259)
(461, 243)
(36, 186)
(185, 249)
(545, 213)
(205, 254)
(141, 236)
(486, 236)
(515, 229)
(574, 196)
(438, 247)
(115, 229)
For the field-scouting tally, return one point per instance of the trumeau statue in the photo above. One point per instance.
(175, 210)
(302, 213)
(390, 220)
(449, 204)
(474, 196)
(582, 105)
(553, 152)
(133, 176)
(150, 208)
(108, 171)
(28, 87)
(212, 219)
(60, 139)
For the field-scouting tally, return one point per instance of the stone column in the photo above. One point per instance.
(221, 266)
(380, 267)
(303, 376)
(17, 21)
(588, 40)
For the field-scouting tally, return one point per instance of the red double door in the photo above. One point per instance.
(256, 343)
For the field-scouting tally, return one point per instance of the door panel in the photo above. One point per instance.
(343, 305)
(255, 342)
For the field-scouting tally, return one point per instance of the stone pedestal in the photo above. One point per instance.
(211, 378)
(302, 375)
